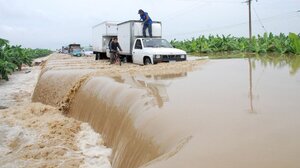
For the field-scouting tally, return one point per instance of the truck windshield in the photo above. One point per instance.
(77, 49)
(156, 43)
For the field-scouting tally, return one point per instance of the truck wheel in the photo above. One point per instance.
(103, 56)
(97, 56)
(147, 61)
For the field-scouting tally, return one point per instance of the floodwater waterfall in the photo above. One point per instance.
(113, 109)
(119, 111)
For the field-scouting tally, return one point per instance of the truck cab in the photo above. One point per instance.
(75, 50)
(154, 50)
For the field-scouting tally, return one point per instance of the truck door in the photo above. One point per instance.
(137, 52)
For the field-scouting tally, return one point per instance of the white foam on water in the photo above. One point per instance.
(10, 134)
(15, 137)
(92, 147)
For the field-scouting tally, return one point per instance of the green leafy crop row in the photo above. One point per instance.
(13, 57)
(261, 44)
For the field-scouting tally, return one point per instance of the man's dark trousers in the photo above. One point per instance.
(149, 26)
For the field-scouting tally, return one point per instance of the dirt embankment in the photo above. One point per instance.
(38, 135)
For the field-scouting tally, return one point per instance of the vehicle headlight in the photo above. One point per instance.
(182, 56)
(156, 56)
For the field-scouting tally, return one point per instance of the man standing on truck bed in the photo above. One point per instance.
(146, 21)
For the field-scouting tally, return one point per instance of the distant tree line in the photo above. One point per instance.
(268, 43)
(12, 57)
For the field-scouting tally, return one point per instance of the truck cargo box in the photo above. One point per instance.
(130, 30)
(102, 33)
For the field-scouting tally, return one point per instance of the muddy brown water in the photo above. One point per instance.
(222, 114)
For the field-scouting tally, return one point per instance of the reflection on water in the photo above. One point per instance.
(274, 60)
(267, 61)
(156, 85)
(167, 76)
(293, 62)
(250, 86)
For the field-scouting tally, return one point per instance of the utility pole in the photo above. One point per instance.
(249, 59)
(250, 20)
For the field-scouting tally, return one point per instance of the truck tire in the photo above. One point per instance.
(102, 56)
(147, 61)
(97, 56)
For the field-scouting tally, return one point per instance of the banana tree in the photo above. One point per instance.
(3, 44)
(16, 55)
(6, 68)
(295, 43)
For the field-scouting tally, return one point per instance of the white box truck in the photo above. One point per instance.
(143, 50)
(102, 33)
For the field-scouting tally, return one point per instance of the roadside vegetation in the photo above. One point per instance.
(12, 57)
(291, 61)
(268, 43)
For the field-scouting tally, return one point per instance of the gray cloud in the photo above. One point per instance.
(53, 23)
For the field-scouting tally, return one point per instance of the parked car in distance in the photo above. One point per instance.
(87, 53)
(76, 52)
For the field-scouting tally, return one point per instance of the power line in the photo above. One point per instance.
(222, 2)
(299, 12)
(276, 16)
(232, 25)
(216, 1)
(262, 25)
(194, 6)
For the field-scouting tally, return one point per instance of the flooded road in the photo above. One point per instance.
(226, 127)
(212, 114)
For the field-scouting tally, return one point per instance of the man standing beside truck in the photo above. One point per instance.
(146, 21)
(114, 46)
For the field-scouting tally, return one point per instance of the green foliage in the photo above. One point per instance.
(6, 68)
(268, 43)
(12, 57)
(295, 43)
(17, 56)
(3, 42)
(37, 53)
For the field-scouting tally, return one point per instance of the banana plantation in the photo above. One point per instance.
(268, 43)
(12, 57)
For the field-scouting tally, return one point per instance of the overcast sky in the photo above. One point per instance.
(54, 23)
